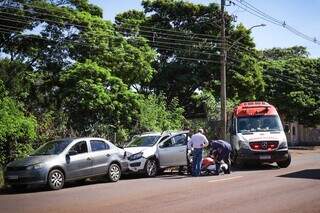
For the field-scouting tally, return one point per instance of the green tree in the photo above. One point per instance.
(17, 131)
(285, 53)
(186, 38)
(156, 115)
(92, 96)
(293, 86)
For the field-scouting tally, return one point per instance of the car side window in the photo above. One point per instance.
(80, 147)
(97, 145)
(165, 142)
(180, 140)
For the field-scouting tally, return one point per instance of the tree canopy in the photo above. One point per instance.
(65, 71)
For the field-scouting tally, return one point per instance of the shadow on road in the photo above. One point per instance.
(251, 167)
(307, 174)
(36, 189)
(81, 183)
(174, 176)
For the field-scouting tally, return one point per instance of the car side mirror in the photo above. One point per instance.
(287, 128)
(72, 152)
(124, 154)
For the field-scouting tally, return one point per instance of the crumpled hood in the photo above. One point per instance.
(31, 160)
(134, 150)
(262, 136)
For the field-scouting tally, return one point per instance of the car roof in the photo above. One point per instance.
(80, 138)
(163, 133)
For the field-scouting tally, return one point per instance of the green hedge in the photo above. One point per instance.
(1, 178)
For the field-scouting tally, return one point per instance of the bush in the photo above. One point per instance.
(155, 115)
(1, 178)
(17, 131)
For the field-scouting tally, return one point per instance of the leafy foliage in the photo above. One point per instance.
(64, 71)
(181, 31)
(16, 130)
(156, 115)
(92, 92)
(293, 86)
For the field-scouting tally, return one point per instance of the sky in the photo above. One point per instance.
(301, 14)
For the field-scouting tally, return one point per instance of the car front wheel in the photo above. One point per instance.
(286, 163)
(55, 179)
(151, 168)
(114, 172)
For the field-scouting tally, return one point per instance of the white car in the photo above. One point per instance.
(152, 152)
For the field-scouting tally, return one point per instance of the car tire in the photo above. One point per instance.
(114, 172)
(286, 163)
(151, 168)
(181, 170)
(56, 179)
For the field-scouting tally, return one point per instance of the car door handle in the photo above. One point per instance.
(108, 155)
(88, 158)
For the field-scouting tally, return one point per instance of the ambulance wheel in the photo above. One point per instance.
(286, 163)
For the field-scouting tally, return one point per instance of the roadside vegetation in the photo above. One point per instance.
(1, 179)
(64, 71)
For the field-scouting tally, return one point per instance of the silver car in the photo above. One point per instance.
(63, 160)
(151, 153)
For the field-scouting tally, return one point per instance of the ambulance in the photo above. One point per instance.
(257, 135)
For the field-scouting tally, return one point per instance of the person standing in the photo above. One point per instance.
(223, 151)
(198, 141)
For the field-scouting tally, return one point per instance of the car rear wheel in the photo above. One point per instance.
(114, 172)
(56, 179)
(151, 168)
(286, 163)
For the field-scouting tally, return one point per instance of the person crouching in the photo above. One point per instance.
(222, 151)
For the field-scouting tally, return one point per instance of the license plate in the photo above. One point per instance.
(13, 177)
(265, 157)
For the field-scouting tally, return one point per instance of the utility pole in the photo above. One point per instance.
(223, 60)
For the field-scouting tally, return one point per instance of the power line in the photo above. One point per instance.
(6, 31)
(173, 32)
(77, 25)
(151, 38)
(169, 43)
(254, 11)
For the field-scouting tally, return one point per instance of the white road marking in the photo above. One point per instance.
(224, 179)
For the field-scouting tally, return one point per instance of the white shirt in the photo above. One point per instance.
(197, 141)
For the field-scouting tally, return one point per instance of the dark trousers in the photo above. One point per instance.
(225, 156)
(196, 161)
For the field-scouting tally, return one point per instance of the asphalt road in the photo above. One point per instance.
(257, 189)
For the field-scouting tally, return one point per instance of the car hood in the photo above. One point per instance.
(134, 150)
(31, 160)
(263, 136)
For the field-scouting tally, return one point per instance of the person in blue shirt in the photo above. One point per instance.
(222, 150)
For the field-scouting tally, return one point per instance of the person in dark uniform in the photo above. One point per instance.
(222, 150)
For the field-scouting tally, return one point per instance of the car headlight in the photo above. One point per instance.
(35, 166)
(283, 145)
(244, 145)
(135, 156)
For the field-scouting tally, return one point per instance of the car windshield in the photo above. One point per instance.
(52, 147)
(259, 124)
(139, 141)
